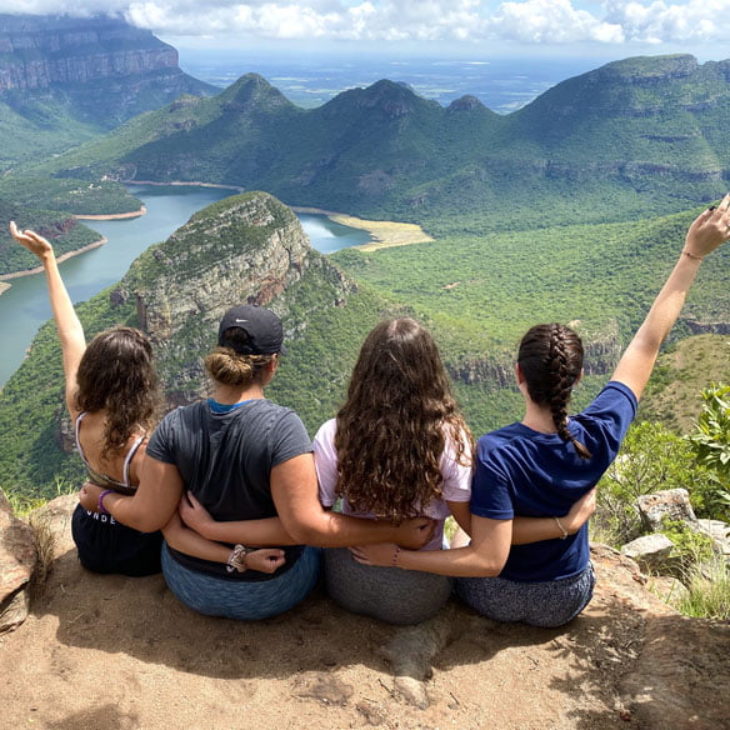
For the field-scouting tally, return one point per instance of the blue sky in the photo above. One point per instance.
(608, 28)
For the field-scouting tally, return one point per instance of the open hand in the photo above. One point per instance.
(265, 560)
(709, 229)
(382, 554)
(195, 516)
(31, 240)
(413, 534)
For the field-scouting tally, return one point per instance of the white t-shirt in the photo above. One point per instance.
(456, 486)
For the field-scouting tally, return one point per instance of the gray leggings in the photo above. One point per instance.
(549, 604)
(389, 594)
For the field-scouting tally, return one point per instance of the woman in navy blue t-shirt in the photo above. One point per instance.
(543, 464)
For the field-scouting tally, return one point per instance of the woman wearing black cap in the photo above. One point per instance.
(244, 458)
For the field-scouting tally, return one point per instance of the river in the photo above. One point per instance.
(24, 307)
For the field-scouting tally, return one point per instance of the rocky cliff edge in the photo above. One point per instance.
(114, 652)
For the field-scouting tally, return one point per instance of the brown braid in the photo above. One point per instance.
(551, 360)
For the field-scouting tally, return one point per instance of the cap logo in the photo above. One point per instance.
(241, 320)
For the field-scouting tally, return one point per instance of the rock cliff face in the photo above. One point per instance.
(246, 249)
(111, 69)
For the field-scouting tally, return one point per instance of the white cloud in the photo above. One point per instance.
(662, 22)
(551, 21)
(522, 21)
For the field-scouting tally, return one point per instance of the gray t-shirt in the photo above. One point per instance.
(225, 460)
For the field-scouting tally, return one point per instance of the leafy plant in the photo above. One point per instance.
(690, 546)
(652, 458)
(711, 439)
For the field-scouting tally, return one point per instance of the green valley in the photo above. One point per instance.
(477, 294)
(632, 139)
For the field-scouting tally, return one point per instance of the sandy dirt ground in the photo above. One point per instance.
(108, 652)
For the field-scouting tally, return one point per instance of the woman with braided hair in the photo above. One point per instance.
(542, 464)
(398, 449)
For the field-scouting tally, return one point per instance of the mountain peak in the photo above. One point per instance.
(393, 98)
(253, 90)
(465, 103)
(649, 68)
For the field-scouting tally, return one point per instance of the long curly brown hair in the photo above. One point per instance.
(392, 430)
(117, 374)
(551, 360)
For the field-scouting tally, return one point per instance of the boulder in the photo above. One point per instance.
(720, 533)
(17, 560)
(649, 551)
(671, 504)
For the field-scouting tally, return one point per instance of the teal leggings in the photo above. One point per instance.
(244, 600)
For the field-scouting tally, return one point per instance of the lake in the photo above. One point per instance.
(24, 307)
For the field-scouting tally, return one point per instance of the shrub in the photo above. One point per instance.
(652, 459)
(711, 445)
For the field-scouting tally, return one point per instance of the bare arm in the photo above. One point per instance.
(484, 557)
(294, 489)
(534, 529)
(268, 531)
(152, 505)
(70, 331)
(706, 233)
(180, 538)
(190, 542)
(302, 519)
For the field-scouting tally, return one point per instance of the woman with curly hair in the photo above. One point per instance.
(112, 398)
(398, 449)
(542, 464)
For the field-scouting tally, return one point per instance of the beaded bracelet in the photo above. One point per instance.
(396, 553)
(237, 559)
(562, 529)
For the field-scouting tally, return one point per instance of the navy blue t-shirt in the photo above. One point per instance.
(524, 473)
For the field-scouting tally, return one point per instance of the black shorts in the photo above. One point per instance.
(106, 546)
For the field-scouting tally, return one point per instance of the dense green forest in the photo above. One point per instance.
(477, 294)
(635, 138)
(65, 231)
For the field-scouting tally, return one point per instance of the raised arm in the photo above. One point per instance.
(70, 331)
(706, 233)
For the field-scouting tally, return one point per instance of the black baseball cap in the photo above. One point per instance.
(263, 327)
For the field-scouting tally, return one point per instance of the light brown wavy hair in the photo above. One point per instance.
(117, 374)
(229, 367)
(392, 430)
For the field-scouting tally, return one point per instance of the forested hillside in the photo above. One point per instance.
(631, 139)
(477, 294)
